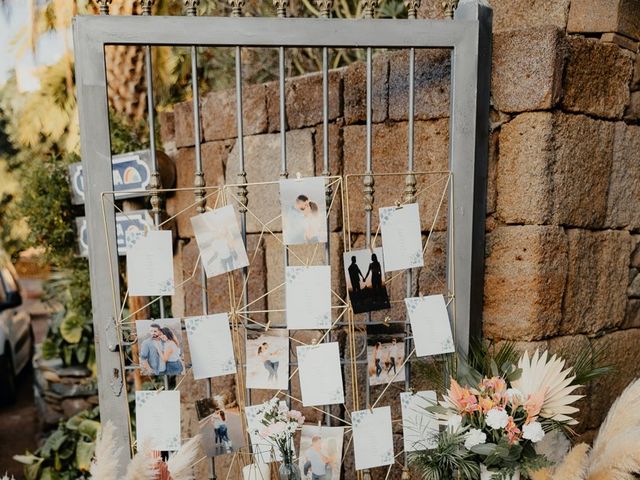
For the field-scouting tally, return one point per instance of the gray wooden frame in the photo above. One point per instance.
(469, 37)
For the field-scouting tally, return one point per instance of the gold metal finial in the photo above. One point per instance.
(191, 7)
(412, 8)
(103, 6)
(146, 6)
(369, 8)
(409, 188)
(199, 183)
(325, 7)
(368, 190)
(155, 185)
(281, 7)
(449, 7)
(243, 192)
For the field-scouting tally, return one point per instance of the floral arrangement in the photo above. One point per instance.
(492, 426)
(280, 426)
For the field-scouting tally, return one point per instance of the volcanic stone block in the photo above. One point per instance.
(597, 279)
(597, 16)
(597, 78)
(521, 14)
(183, 124)
(525, 273)
(219, 113)
(355, 93)
(432, 84)
(389, 155)
(527, 69)
(554, 168)
(214, 156)
(623, 203)
(262, 163)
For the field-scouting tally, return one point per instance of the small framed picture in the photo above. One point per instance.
(268, 359)
(364, 273)
(160, 346)
(219, 240)
(304, 211)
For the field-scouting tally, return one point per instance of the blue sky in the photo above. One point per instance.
(14, 18)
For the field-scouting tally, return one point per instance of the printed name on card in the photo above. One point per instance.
(320, 374)
(401, 237)
(150, 265)
(419, 427)
(210, 346)
(430, 325)
(308, 297)
(158, 420)
(372, 438)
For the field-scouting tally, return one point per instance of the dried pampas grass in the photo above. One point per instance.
(575, 464)
(180, 464)
(619, 459)
(105, 461)
(144, 466)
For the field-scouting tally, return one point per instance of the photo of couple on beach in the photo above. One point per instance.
(364, 273)
(160, 347)
(220, 426)
(268, 359)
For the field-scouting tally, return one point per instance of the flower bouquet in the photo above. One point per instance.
(280, 426)
(493, 425)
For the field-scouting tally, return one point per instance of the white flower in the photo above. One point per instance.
(453, 422)
(497, 418)
(474, 437)
(533, 431)
(514, 393)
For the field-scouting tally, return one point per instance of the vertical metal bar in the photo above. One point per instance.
(199, 181)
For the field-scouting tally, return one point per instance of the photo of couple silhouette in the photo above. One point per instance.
(160, 347)
(364, 273)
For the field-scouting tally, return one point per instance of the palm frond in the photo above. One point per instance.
(447, 457)
(589, 365)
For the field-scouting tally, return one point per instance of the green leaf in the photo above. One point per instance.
(84, 454)
(71, 327)
(53, 443)
(49, 349)
(484, 449)
(27, 459)
(90, 428)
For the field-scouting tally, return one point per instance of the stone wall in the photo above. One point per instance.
(563, 214)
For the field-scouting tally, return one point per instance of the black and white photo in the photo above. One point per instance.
(364, 273)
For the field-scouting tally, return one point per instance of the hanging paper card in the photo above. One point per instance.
(304, 212)
(401, 237)
(308, 297)
(210, 346)
(150, 265)
(372, 438)
(430, 325)
(158, 420)
(320, 374)
(419, 427)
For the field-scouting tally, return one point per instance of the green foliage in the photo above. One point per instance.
(448, 460)
(67, 452)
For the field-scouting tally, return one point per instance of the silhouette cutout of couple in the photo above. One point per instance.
(355, 274)
(366, 297)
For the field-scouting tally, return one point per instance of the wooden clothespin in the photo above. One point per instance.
(386, 320)
(298, 176)
(398, 205)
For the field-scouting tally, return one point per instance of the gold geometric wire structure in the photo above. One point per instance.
(241, 316)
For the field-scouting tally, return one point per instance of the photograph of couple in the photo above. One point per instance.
(160, 347)
(321, 452)
(268, 359)
(220, 426)
(219, 240)
(364, 273)
(385, 355)
(304, 212)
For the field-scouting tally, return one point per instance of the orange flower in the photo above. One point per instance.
(513, 432)
(486, 404)
(461, 398)
(533, 405)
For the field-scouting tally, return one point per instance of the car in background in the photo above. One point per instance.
(16, 334)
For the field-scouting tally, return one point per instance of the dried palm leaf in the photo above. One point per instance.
(144, 466)
(619, 460)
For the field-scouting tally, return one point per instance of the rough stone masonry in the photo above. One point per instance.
(563, 206)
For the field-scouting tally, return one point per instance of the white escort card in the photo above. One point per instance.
(430, 325)
(220, 241)
(401, 237)
(210, 345)
(158, 420)
(150, 265)
(308, 297)
(320, 374)
(372, 438)
(419, 427)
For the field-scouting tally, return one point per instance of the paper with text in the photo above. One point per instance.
(308, 297)
(150, 265)
(158, 420)
(372, 438)
(210, 346)
(320, 374)
(401, 237)
(430, 325)
(419, 427)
